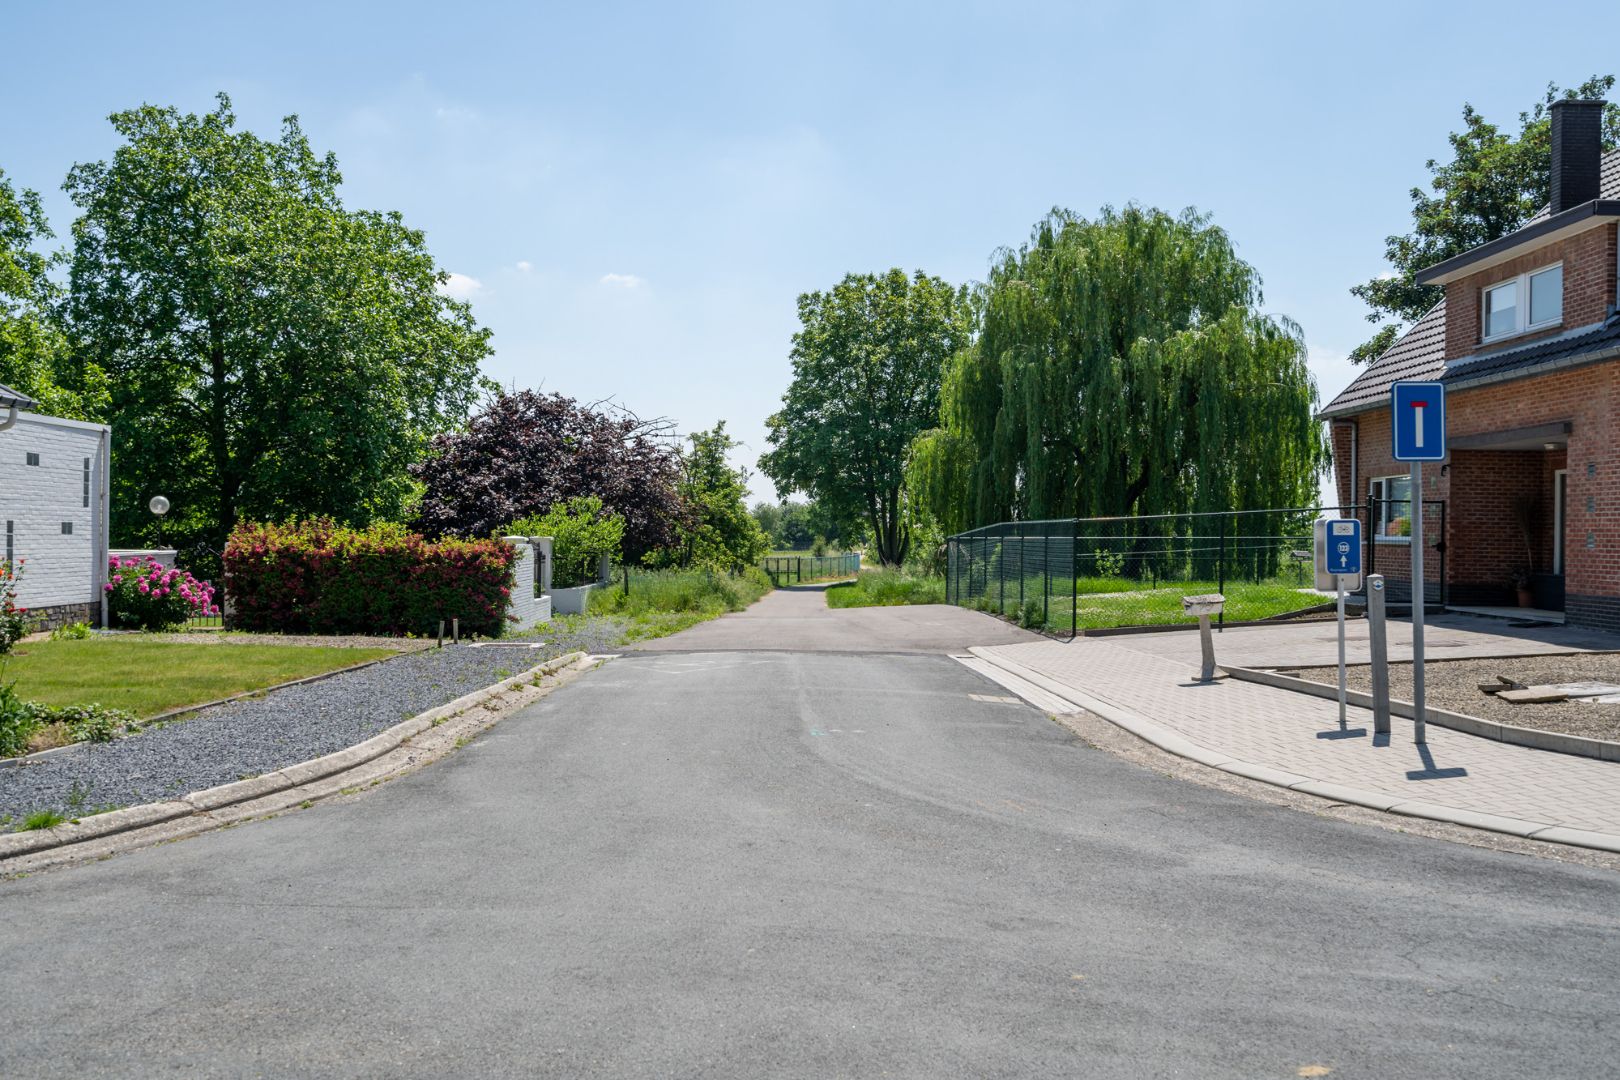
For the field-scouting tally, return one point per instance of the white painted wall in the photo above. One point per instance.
(526, 607)
(36, 499)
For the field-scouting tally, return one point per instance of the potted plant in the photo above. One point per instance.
(1520, 582)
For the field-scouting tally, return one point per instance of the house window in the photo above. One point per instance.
(11, 542)
(32, 459)
(86, 481)
(1532, 301)
(67, 528)
(1391, 498)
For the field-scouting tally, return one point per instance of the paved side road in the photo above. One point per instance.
(768, 864)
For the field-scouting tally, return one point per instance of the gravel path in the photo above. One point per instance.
(1453, 685)
(259, 735)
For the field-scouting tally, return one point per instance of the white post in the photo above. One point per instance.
(1419, 730)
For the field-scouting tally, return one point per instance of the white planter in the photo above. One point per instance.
(570, 601)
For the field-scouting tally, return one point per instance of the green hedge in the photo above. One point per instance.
(320, 577)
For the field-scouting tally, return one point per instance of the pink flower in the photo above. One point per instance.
(108, 587)
(144, 587)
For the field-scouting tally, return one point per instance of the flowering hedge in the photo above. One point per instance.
(322, 577)
(146, 595)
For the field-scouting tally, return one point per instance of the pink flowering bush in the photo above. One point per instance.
(146, 595)
(14, 621)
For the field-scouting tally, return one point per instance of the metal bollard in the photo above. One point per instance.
(1378, 645)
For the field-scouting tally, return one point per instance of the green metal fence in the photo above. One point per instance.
(1069, 575)
(792, 569)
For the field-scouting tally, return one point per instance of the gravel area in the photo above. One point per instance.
(259, 735)
(1453, 685)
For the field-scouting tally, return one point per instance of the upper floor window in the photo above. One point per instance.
(31, 458)
(1530, 301)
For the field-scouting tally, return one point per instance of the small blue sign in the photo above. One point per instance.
(1343, 546)
(1419, 421)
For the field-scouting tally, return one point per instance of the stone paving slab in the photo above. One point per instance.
(1270, 731)
(1313, 644)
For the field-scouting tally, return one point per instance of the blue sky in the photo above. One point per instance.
(632, 196)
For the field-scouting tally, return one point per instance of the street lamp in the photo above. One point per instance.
(159, 506)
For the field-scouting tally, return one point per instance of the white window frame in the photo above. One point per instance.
(1376, 488)
(1521, 305)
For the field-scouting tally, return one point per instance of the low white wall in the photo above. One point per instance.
(164, 556)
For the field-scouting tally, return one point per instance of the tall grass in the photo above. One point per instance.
(887, 588)
(663, 601)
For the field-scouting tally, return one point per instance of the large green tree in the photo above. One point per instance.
(1495, 182)
(34, 355)
(866, 371)
(271, 352)
(1122, 367)
(718, 531)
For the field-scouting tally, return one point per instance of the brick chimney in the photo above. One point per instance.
(1577, 153)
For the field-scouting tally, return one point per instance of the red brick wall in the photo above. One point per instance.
(1589, 289)
(1478, 484)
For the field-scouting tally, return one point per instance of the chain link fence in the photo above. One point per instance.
(1070, 575)
(792, 569)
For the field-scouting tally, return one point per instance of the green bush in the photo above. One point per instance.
(582, 532)
(17, 721)
(78, 631)
(150, 596)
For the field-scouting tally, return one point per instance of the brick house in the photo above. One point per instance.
(1527, 341)
(53, 510)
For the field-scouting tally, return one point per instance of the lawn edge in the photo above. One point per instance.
(405, 746)
(185, 710)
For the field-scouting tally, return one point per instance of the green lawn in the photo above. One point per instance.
(150, 677)
(1162, 606)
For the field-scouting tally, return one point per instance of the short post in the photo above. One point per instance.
(441, 633)
(455, 631)
(1203, 607)
(1378, 647)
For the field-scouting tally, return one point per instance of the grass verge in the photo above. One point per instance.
(151, 677)
(887, 588)
(664, 602)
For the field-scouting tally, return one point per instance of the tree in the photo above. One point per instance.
(271, 353)
(526, 452)
(866, 371)
(34, 356)
(718, 531)
(1121, 368)
(1494, 184)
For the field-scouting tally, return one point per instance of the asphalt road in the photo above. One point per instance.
(769, 864)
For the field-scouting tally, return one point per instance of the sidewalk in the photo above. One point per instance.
(1295, 741)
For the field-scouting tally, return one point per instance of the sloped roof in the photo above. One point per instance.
(1420, 352)
(1597, 344)
(10, 397)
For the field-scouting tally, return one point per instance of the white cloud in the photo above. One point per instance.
(461, 286)
(525, 265)
(622, 281)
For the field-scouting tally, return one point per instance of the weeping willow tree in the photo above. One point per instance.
(1122, 368)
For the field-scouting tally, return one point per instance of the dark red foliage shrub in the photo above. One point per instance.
(527, 452)
(318, 577)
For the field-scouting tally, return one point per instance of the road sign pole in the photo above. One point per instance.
(1419, 731)
(1338, 580)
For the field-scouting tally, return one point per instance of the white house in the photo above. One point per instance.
(53, 509)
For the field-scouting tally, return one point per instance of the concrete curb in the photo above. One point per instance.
(1178, 744)
(1535, 738)
(186, 710)
(307, 781)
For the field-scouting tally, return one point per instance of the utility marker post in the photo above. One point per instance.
(1418, 421)
(1378, 647)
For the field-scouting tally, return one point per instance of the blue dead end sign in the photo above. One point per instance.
(1344, 546)
(1419, 421)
